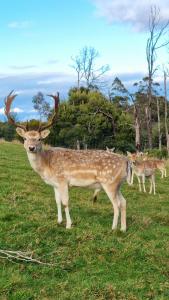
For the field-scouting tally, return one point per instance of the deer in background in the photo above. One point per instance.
(143, 169)
(159, 164)
(65, 168)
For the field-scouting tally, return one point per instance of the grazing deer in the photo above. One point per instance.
(84, 168)
(159, 164)
(143, 169)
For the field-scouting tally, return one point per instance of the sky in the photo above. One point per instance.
(38, 39)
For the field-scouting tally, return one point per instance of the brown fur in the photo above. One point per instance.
(62, 168)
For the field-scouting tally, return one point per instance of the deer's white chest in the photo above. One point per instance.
(50, 180)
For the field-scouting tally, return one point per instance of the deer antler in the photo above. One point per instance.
(53, 119)
(8, 101)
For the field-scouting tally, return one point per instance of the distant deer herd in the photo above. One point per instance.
(96, 169)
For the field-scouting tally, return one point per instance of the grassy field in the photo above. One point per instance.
(90, 261)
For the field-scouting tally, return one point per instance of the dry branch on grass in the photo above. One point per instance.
(21, 256)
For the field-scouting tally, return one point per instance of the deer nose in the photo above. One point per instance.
(31, 148)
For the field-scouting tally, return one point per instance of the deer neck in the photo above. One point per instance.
(35, 160)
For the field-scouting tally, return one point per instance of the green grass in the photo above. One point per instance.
(91, 261)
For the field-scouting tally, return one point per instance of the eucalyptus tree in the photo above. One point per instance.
(88, 71)
(158, 38)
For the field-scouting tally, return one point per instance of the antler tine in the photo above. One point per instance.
(56, 107)
(8, 101)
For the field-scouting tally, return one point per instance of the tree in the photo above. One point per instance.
(166, 109)
(41, 105)
(141, 100)
(77, 66)
(87, 71)
(157, 33)
(125, 99)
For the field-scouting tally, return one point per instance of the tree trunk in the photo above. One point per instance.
(159, 125)
(84, 144)
(137, 129)
(78, 145)
(166, 112)
(148, 126)
(149, 118)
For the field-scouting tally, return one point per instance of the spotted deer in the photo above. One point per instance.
(142, 169)
(159, 164)
(80, 168)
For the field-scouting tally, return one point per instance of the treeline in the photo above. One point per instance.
(89, 119)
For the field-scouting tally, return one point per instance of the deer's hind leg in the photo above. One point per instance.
(96, 192)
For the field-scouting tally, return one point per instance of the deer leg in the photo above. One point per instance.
(95, 195)
(151, 184)
(165, 172)
(162, 174)
(154, 184)
(123, 211)
(132, 177)
(63, 189)
(112, 194)
(139, 182)
(143, 181)
(58, 202)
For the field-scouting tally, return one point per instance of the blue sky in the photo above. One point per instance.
(38, 39)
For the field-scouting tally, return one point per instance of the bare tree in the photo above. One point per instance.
(77, 66)
(159, 123)
(166, 111)
(158, 32)
(86, 68)
(137, 127)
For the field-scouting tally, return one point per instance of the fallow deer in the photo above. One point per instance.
(159, 164)
(83, 168)
(143, 169)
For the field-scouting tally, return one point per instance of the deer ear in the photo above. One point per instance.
(128, 153)
(20, 131)
(44, 133)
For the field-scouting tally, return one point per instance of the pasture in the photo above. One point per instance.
(89, 261)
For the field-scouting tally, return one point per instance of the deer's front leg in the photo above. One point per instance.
(139, 182)
(132, 176)
(63, 190)
(143, 181)
(58, 202)
(111, 192)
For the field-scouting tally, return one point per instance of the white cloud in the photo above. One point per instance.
(135, 13)
(56, 79)
(52, 61)
(20, 24)
(14, 110)
(26, 67)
